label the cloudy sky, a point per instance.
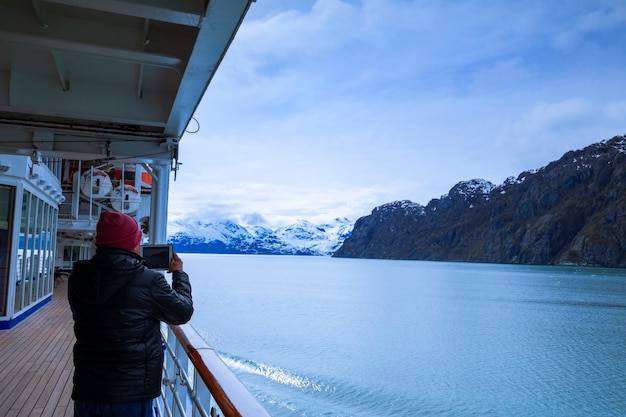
(329, 108)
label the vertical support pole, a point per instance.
(91, 193)
(158, 203)
(123, 189)
(75, 200)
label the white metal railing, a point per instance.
(196, 382)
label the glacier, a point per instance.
(300, 238)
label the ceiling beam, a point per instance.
(181, 12)
(53, 143)
(98, 51)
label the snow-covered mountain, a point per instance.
(301, 238)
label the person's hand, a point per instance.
(176, 264)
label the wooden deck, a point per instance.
(36, 362)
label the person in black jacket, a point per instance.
(117, 304)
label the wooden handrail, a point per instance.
(229, 393)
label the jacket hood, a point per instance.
(95, 281)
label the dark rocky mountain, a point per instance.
(570, 212)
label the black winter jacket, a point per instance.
(117, 304)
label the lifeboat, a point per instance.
(95, 184)
(126, 199)
(132, 175)
(146, 181)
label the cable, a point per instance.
(197, 123)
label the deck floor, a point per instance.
(36, 362)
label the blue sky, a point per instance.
(329, 108)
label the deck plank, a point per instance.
(36, 357)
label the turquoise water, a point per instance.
(318, 336)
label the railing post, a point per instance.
(182, 392)
(204, 397)
(170, 376)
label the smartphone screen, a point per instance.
(157, 256)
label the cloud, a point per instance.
(254, 219)
(546, 130)
(330, 108)
(567, 114)
(607, 18)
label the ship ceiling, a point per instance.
(109, 78)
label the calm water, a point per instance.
(317, 336)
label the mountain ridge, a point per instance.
(227, 237)
(570, 212)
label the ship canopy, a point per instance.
(118, 79)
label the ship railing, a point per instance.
(196, 382)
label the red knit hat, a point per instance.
(117, 230)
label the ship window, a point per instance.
(43, 250)
(51, 233)
(7, 201)
(22, 290)
(35, 268)
(71, 254)
(35, 263)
